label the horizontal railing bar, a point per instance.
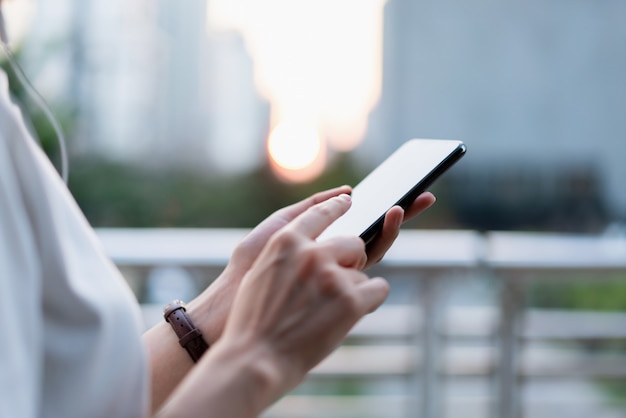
(566, 252)
(377, 406)
(169, 246)
(383, 361)
(404, 321)
(413, 249)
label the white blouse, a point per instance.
(70, 327)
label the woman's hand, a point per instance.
(210, 310)
(300, 297)
(215, 302)
(296, 303)
(394, 218)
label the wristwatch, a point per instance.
(189, 337)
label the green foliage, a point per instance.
(615, 390)
(581, 293)
(118, 195)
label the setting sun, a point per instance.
(293, 146)
(318, 59)
(296, 151)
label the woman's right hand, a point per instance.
(300, 297)
(211, 308)
(295, 305)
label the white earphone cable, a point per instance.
(38, 99)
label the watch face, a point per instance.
(175, 304)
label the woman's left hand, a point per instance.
(394, 218)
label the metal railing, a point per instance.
(421, 330)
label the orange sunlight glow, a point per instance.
(296, 151)
(294, 146)
(314, 60)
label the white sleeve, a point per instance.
(67, 316)
(21, 355)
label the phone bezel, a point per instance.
(370, 233)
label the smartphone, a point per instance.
(398, 180)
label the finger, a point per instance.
(327, 194)
(388, 234)
(291, 211)
(348, 251)
(371, 294)
(283, 216)
(317, 218)
(394, 218)
(419, 205)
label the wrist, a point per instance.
(244, 383)
(210, 309)
(263, 362)
(255, 365)
(189, 335)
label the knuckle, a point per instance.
(310, 262)
(286, 238)
(327, 279)
(311, 254)
(316, 198)
(322, 210)
(350, 302)
(355, 242)
(244, 246)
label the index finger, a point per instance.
(295, 209)
(317, 218)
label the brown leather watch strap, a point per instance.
(189, 337)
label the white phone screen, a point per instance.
(397, 180)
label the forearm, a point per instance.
(169, 362)
(232, 381)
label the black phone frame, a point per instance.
(373, 230)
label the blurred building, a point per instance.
(239, 118)
(537, 90)
(150, 83)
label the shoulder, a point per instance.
(17, 245)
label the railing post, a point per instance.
(507, 377)
(430, 350)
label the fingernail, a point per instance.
(345, 197)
